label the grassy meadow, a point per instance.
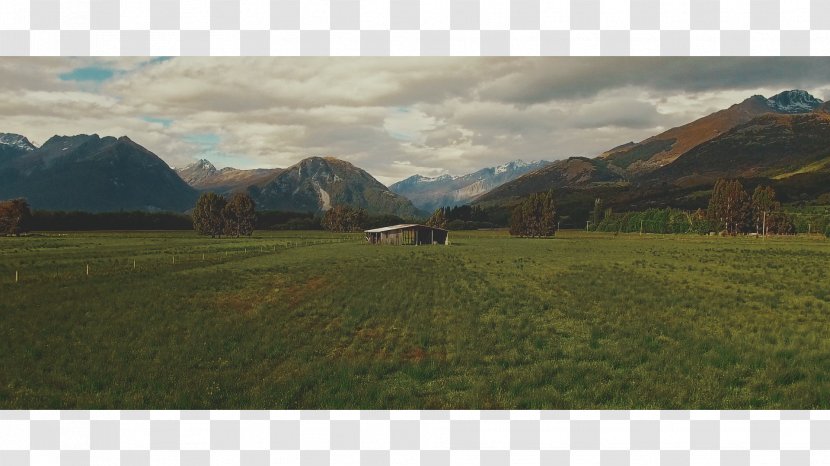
(324, 321)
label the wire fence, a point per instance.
(42, 265)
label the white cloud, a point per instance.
(393, 117)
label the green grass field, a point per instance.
(317, 320)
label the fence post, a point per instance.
(87, 270)
(16, 276)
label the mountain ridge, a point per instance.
(315, 184)
(775, 141)
(429, 193)
(204, 176)
(95, 174)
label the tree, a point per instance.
(779, 223)
(342, 218)
(15, 217)
(763, 206)
(729, 206)
(597, 215)
(239, 215)
(207, 215)
(438, 219)
(535, 216)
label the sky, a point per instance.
(394, 117)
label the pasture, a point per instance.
(314, 320)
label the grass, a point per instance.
(315, 320)
(809, 168)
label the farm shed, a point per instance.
(408, 234)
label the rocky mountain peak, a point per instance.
(794, 101)
(17, 141)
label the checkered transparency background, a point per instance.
(415, 27)
(431, 438)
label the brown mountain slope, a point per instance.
(575, 172)
(203, 176)
(662, 149)
(769, 146)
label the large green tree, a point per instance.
(729, 206)
(15, 217)
(535, 216)
(239, 215)
(207, 215)
(343, 218)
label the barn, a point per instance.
(408, 234)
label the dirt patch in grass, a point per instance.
(239, 303)
(299, 292)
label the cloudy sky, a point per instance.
(394, 117)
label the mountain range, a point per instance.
(783, 141)
(90, 173)
(429, 193)
(100, 174)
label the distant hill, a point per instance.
(204, 176)
(316, 184)
(430, 193)
(94, 174)
(783, 141)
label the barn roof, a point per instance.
(402, 226)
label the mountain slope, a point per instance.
(769, 146)
(430, 193)
(662, 149)
(90, 173)
(204, 176)
(783, 141)
(575, 172)
(316, 184)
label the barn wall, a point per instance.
(410, 236)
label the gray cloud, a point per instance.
(394, 117)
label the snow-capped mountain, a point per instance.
(795, 101)
(429, 193)
(13, 145)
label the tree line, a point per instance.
(463, 217)
(731, 211)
